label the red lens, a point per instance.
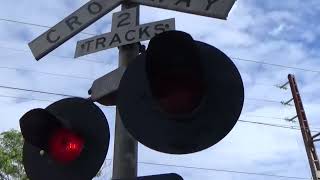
(178, 92)
(65, 146)
(174, 69)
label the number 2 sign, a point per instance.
(125, 30)
(128, 19)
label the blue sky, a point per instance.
(279, 32)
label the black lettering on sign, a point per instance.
(88, 44)
(127, 38)
(115, 39)
(159, 28)
(71, 21)
(123, 22)
(49, 37)
(94, 8)
(144, 31)
(210, 2)
(100, 41)
(185, 1)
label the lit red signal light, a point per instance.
(65, 146)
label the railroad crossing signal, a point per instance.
(67, 140)
(181, 96)
(190, 91)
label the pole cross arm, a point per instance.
(291, 119)
(316, 135)
(287, 102)
(284, 86)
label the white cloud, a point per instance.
(274, 32)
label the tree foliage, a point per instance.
(11, 167)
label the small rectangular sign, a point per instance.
(128, 18)
(210, 8)
(106, 84)
(70, 26)
(123, 36)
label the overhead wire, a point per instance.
(222, 170)
(59, 56)
(43, 100)
(47, 73)
(99, 62)
(272, 64)
(265, 100)
(267, 117)
(198, 168)
(235, 58)
(80, 77)
(88, 78)
(65, 95)
(37, 25)
(219, 170)
(44, 92)
(158, 164)
(263, 84)
(56, 74)
(277, 125)
(36, 91)
(33, 99)
(44, 26)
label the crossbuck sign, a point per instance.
(95, 9)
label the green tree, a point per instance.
(11, 167)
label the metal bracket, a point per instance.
(142, 48)
(284, 86)
(291, 119)
(287, 103)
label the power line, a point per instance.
(218, 170)
(44, 100)
(261, 84)
(268, 117)
(235, 58)
(34, 99)
(44, 92)
(37, 25)
(268, 124)
(272, 64)
(87, 78)
(29, 90)
(59, 56)
(265, 100)
(47, 73)
(244, 121)
(222, 170)
(198, 168)
(275, 125)
(65, 95)
(66, 57)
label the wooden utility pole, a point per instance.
(308, 139)
(125, 146)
